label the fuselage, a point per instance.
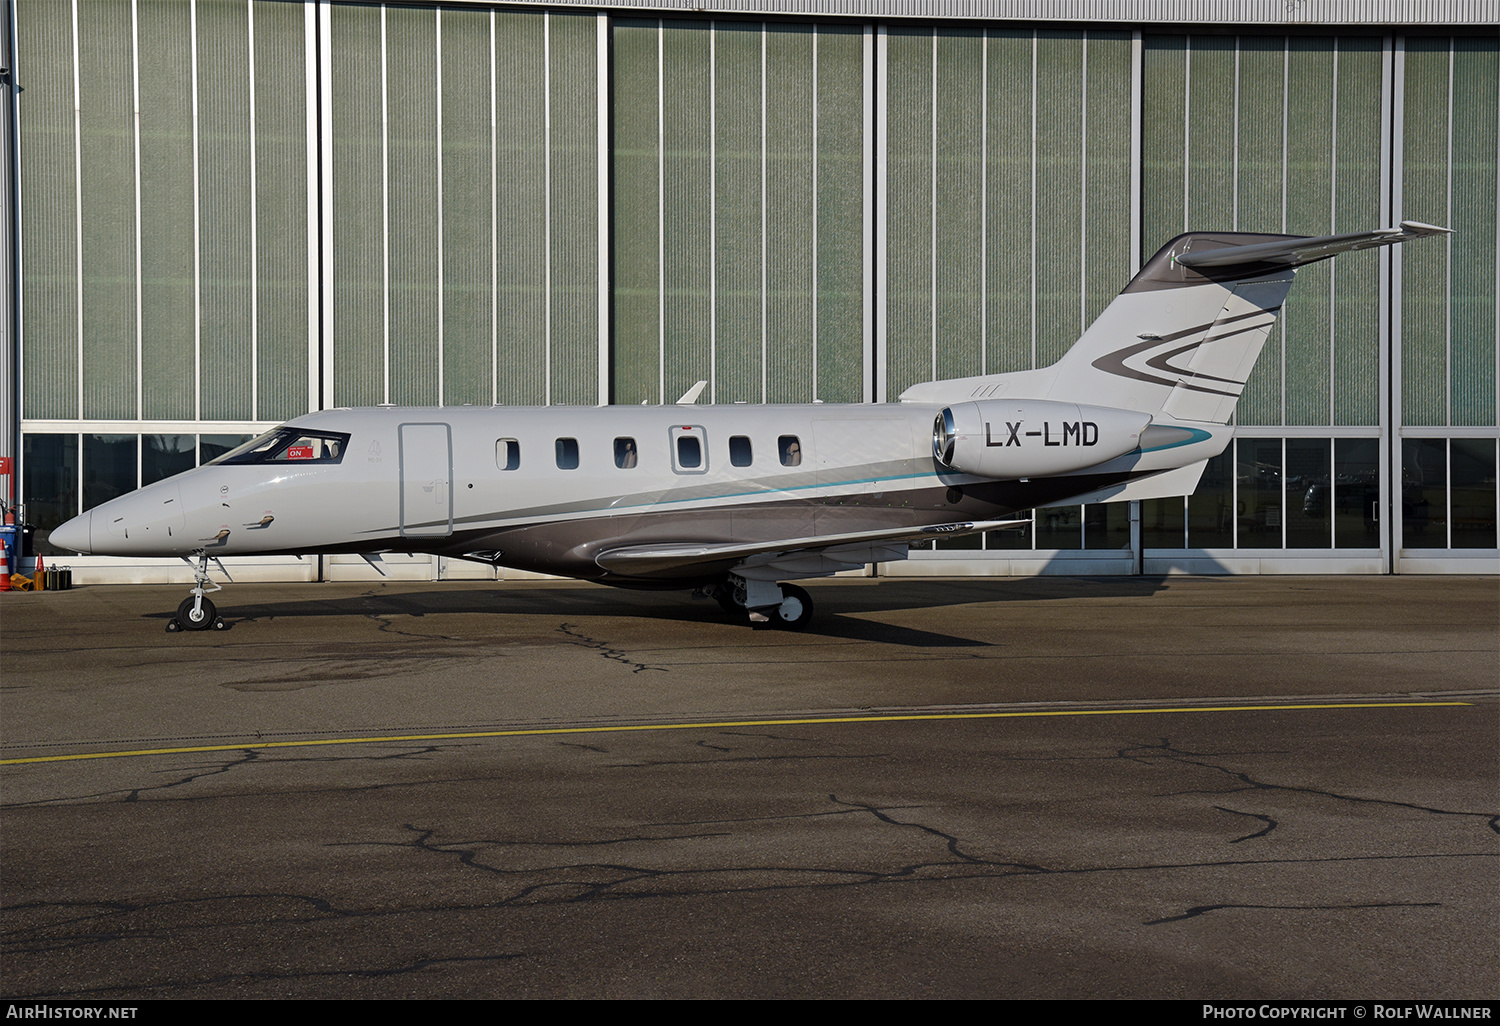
(550, 488)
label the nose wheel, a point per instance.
(197, 612)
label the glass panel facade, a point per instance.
(1472, 466)
(1309, 520)
(1424, 493)
(1356, 493)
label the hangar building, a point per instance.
(226, 213)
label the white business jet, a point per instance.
(738, 499)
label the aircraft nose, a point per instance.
(75, 535)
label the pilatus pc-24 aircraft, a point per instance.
(738, 499)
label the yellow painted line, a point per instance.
(895, 718)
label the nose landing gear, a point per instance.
(197, 613)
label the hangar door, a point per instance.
(426, 481)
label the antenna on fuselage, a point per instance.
(691, 395)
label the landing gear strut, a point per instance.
(768, 603)
(197, 613)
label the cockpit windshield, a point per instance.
(289, 445)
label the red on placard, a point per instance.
(299, 452)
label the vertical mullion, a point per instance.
(385, 217)
(1448, 272)
(814, 269)
(984, 211)
(1187, 127)
(1286, 77)
(1083, 202)
(197, 228)
(319, 199)
(1333, 227)
(1032, 290)
(602, 206)
(933, 255)
(78, 225)
(254, 223)
(135, 112)
(765, 277)
(713, 211)
(1390, 368)
(1137, 86)
(442, 307)
(547, 200)
(495, 229)
(661, 221)
(1234, 165)
(880, 179)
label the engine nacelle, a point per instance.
(1032, 437)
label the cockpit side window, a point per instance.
(289, 445)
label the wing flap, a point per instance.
(664, 559)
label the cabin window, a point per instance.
(689, 449)
(567, 454)
(791, 450)
(625, 453)
(508, 454)
(740, 453)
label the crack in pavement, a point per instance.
(1270, 824)
(616, 654)
(1250, 783)
(1198, 910)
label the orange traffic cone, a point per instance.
(4, 568)
(39, 575)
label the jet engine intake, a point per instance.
(1032, 437)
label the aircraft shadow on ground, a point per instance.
(843, 612)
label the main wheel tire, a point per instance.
(724, 596)
(796, 609)
(200, 619)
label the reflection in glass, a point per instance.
(1259, 478)
(1210, 507)
(740, 452)
(1164, 523)
(1106, 525)
(1424, 493)
(1309, 519)
(1059, 527)
(211, 447)
(49, 484)
(165, 455)
(1356, 493)
(1473, 496)
(1020, 538)
(109, 467)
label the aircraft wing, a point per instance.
(1295, 252)
(787, 553)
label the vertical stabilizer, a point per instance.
(1181, 340)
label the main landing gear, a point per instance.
(768, 603)
(197, 613)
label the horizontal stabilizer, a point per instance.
(1296, 252)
